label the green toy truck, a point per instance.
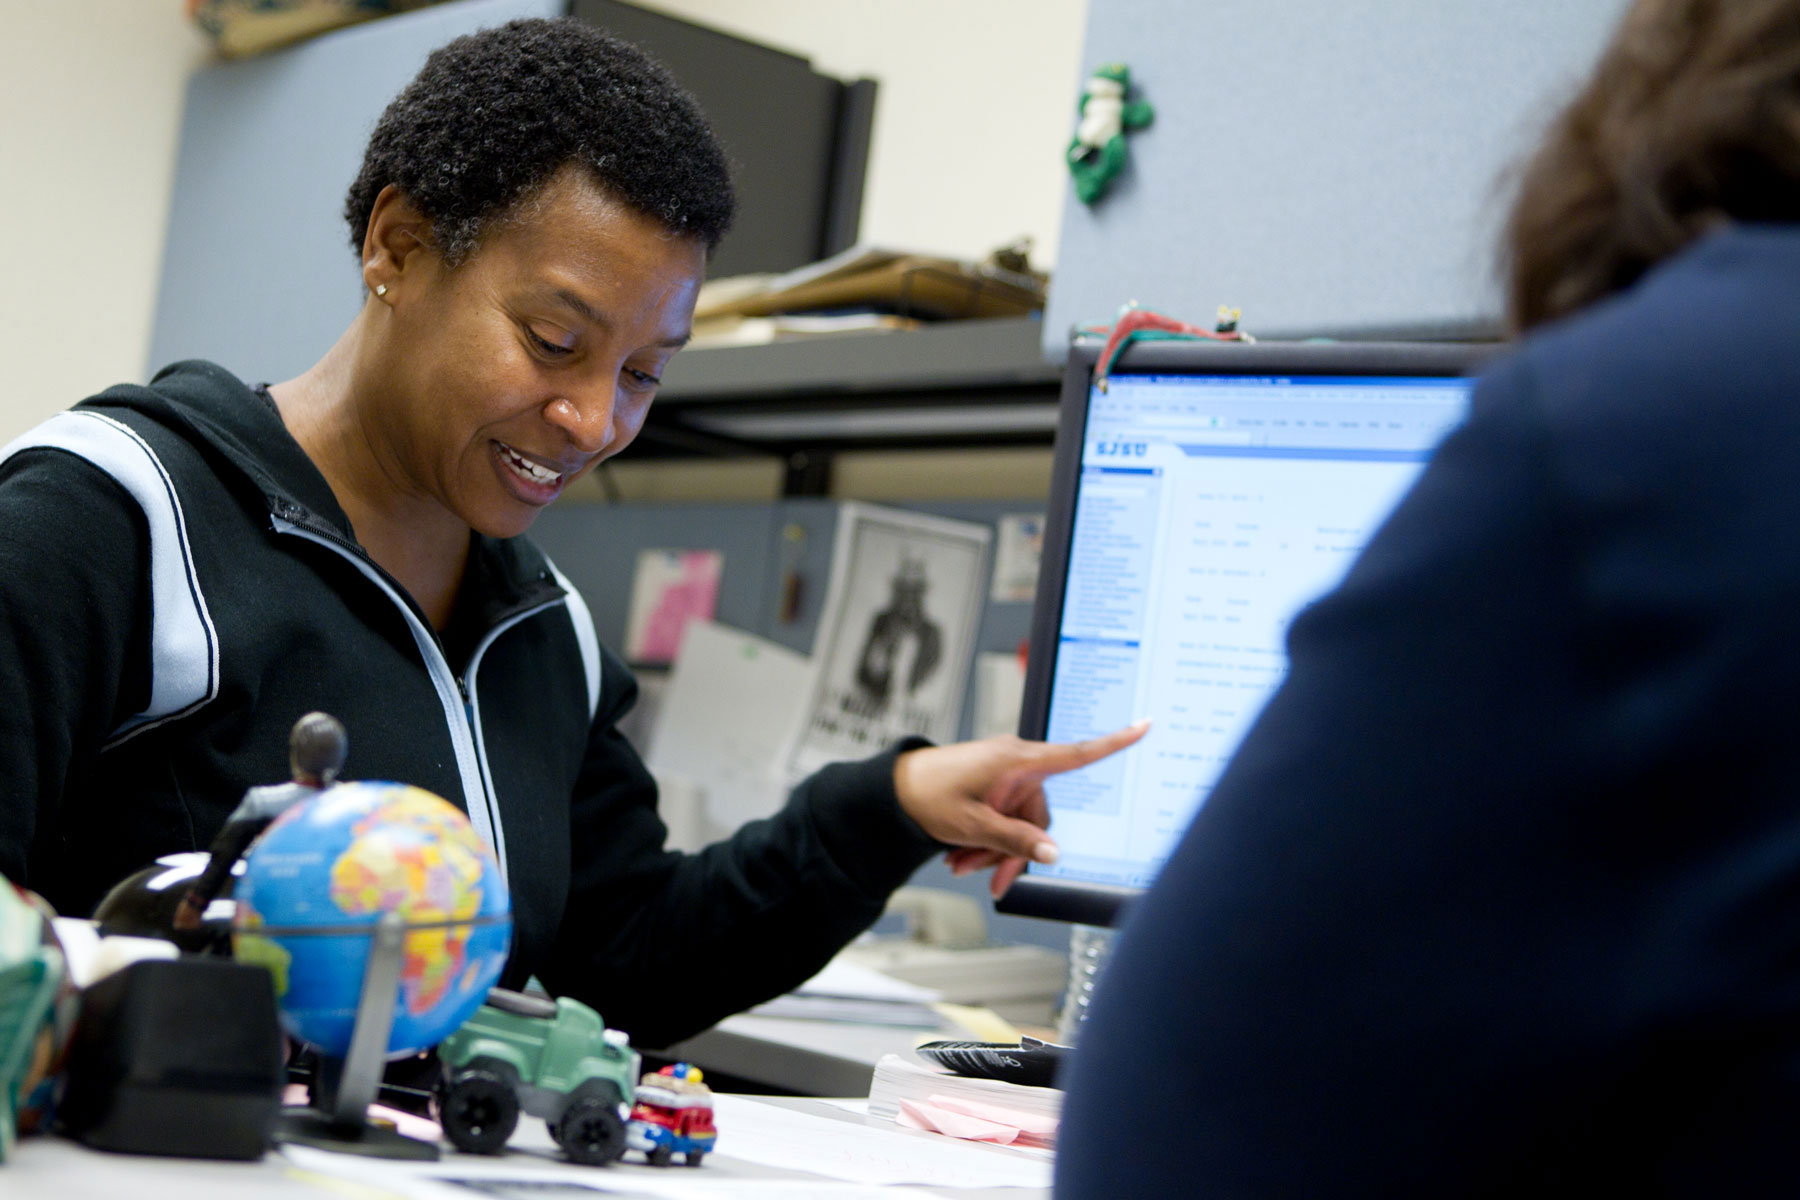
(554, 1059)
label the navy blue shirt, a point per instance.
(1501, 894)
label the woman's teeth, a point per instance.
(527, 468)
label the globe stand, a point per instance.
(343, 1088)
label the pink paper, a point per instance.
(670, 589)
(915, 1115)
(1042, 1124)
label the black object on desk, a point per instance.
(144, 903)
(1029, 1061)
(178, 1057)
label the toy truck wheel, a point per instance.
(590, 1132)
(693, 1157)
(479, 1109)
(660, 1156)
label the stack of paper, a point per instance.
(731, 329)
(872, 278)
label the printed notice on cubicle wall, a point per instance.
(897, 634)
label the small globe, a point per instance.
(321, 876)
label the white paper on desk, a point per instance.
(851, 1104)
(699, 1188)
(527, 1176)
(730, 710)
(797, 1141)
(850, 980)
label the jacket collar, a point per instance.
(242, 437)
(249, 447)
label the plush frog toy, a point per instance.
(1097, 151)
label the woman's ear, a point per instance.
(398, 232)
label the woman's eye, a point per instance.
(642, 379)
(547, 348)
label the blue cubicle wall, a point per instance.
(1329, 168)
(597, 545)
(258, 272)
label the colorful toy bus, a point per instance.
(673, 1115)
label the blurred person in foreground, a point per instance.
(1501, 895)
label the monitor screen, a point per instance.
(1200, 500)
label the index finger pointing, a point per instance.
(1066, 756)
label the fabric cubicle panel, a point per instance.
(597, 546)
(258, 272)
(1329, 168)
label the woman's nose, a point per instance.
(587, 419)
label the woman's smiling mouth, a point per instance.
(540, 482)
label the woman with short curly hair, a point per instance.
(187, 567)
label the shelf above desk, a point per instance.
(1001, 353)
(963, 383)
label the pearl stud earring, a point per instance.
(381, 289)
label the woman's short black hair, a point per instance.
(493, 115)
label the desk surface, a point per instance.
(53, 1167)
(808, 1058)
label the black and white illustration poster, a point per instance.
(897, 634)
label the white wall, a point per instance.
(90, 105)
(976, 102)
(975, 106)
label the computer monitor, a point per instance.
(1198, 501)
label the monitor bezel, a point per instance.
(1087, 903)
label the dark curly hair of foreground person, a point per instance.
(493, 115)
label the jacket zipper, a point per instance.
(472, 713)
(461, 709)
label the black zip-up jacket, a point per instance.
(178, 584)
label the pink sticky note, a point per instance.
(1041, 1124)
(957, 1125)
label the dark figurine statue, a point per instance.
(316, 751)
